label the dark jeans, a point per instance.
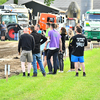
(53, 53)
(71, 63)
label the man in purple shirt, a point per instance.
(55, 44)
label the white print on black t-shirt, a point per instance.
(80, 42)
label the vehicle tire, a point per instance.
(89, 40)
(10, 33)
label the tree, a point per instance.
(15, 1)
(48, 2)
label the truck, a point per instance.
(10, 20)
(22, 13)
(92, 25)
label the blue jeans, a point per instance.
(16, 36)
(38, 58)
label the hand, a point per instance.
(19, 53)
(44, 48)
(60, 50)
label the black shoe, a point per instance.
(49, 73)
(84, 74)
(24, 75)
(44, 74)
(79, 69)
(54, 73)
(34, 75)
(76, 74)
(28, 74)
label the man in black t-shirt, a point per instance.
(78, 42)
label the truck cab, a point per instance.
(92, 25)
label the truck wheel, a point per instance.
(89, 40)
(10, 34)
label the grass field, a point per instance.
(63, 86)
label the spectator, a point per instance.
(39, 39)
(3, 31)
(70, 48)
(16, 29)
(46, 44)
(37, 28)
(55, 41)
(78, 43)
(26, 42)
(63, 34)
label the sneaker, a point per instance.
(49, 73)
(34, 75)
(44, 74)
(69, 71)
(76, 74)
(79, 69)
(84, 74)
(61, 71)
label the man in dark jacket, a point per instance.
(16, 29)
(39, 39)
(27, 43)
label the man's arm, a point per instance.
(33, 43)
(60, 43)
(44, 39)
(19, 45)
(86, 43)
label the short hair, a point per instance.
(32, 27)
(52, 25)
(25, 30)
(38, 25)
(56, 25)
(48, 24)
(78, 29)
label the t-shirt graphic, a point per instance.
(78, 43)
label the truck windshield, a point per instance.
(92, 16)
(9, 19)
(21, 15)
(71, 22)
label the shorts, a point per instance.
(3, 33)
(26, 55)
(77, 58)
(46, 52)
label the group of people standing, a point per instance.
(54, 43)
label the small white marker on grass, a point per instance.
(7, 71)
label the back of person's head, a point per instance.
(26, 30)
(48, 24)
(32, 28)
(70, 33)
(52, 25)
(56, 26)
(63, 30)
(38, 26)
(78, 29)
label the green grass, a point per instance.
(2, 1)
(63, 86)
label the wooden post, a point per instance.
(7, 73)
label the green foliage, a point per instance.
(15, 1)
(2, 1)
(48, 2)
(63, 86)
